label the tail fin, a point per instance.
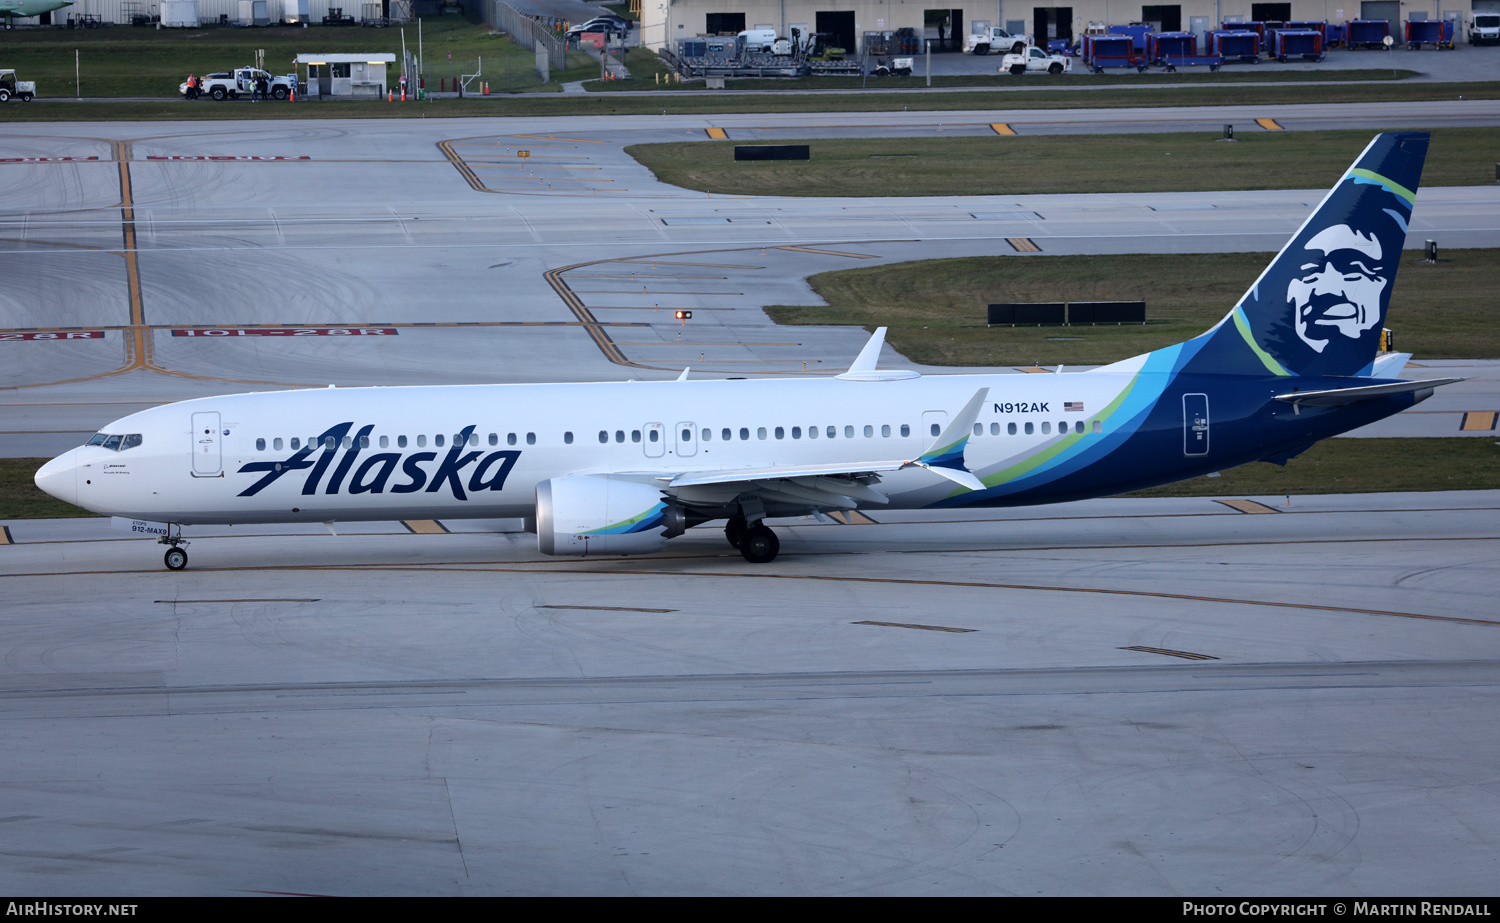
(1319, 307)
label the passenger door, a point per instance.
(207, 455)
(655, 442)
(687, 439)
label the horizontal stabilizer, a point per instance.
(1338, 397)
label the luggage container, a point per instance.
(1177, 44)
(1335, 33)
(1259, 28)
(1138, 31)
(1107, 51)
(1435, 32)
(1307, 45)
(1244, 46)
(1311, 25)
(1367, 33)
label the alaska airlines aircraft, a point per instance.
(619, 468)
(9, 9)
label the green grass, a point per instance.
(936, 308)
(1051, 164)
(21, 499)
(1354, 466)
(134, 62)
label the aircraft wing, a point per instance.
(830, 483)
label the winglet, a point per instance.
(869, 357)
(945, 456)
(683, 376)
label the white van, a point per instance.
(756, 41)
(1484, 29)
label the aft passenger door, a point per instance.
(207, 454)
(1195, 424)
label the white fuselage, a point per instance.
(390, 460)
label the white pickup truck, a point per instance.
(240, 83)
(995, 37)
(1035, 61)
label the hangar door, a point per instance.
(1050, 22)
(1389, 10)
(839, 27)
(1166, 18)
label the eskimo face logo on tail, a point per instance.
(373, 474)
(1339, 290)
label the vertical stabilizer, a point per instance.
(1319, 306)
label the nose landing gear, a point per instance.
(176, 556)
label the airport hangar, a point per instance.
(1114, 697)
(846, 21)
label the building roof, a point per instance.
(370, 58)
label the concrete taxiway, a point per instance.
(1266, 696)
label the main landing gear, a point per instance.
(757, 543)
(176, 556)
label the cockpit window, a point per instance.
(115, 442)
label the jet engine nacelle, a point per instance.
(599, 515)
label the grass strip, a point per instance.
(1356, 466)
(1057, 164)
(936, 308)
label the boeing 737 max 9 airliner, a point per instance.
(619, 468)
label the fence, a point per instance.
(528, 33)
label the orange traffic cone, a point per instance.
(486, 88)
(388, 97)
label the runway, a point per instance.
(1266, 696)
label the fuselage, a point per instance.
(343, 454)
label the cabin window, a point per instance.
(296, 443)
(885, 430)
(275, 443)
(760, 432)
(568, 437)
(330, 443)
(905, 429)
(979, 429)
(348, 442)
(510, 438)
(400, 442)
(364, 442)
(1078, 427)
(708, 434)
(619, 435)
(780, 433)
(832, 432)
(848, 432)
(1030, 429)
(869, 431)
(421, 442)
(653, 435)
(531, 438)
(812, 432)
(1010, 429)
(385, 442)
(935, 429)
(437, 440)
(603, 437)
(744, 433)
(1046, 428)
(1062, 426)
(726, 434)
(635, 435)
(494, 440)
(1098, 426)
(260, 444)
(994, 429)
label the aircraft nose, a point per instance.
(59, 477)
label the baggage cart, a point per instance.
(1244, 46)
(1111, 51)
(1367, 33)
(1211, 61)
(1305, 45)
(1435, 32)
(1177, 44)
